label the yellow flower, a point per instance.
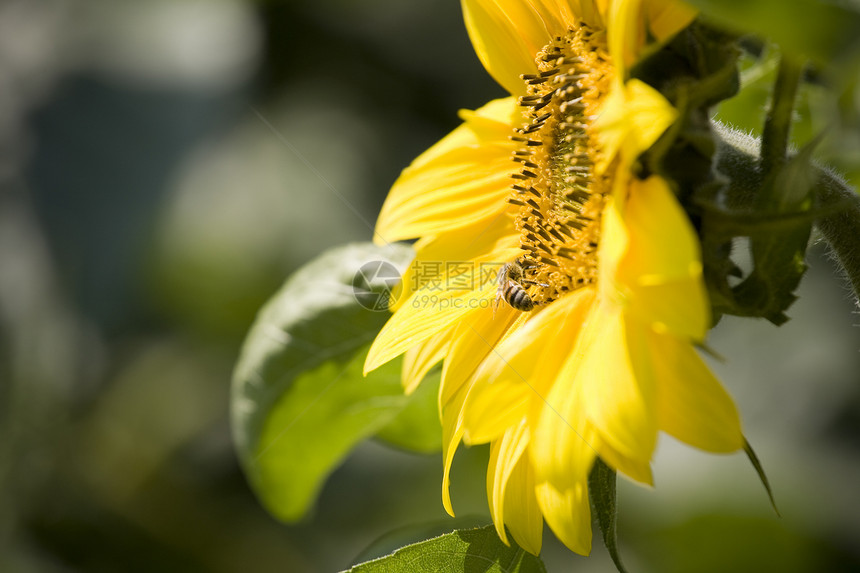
(602, 266)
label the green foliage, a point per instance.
(759, 469)
(779, 253)
(463, 551)
(803, 194)
(417, 426)
(823, 31)
(694, 71)
(780, 223)
(697, 70)
(742, 542)
(601, 491)
(300, 402)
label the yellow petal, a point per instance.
(434, 307)
(506, 35)
(614, 244)
(572, 13)
(677, 307)
(605, 388)
(490, 124)
(663, 244)
(474, 338)
(667, 17)
(418, 360)
(662, 266)
(617, 385)
(522, 512)
(505, 453)
(582, 443)
(632, 118)
(522, 367)
(561, 15)
(568, 513)
(494, 117)
(538, 349)
(452, 433)
(564, 443)
(600, 8)
(692, 405)
(635, 469)
(649, 114)
(434, 254)
(624, 29)
(493, 408)
(649, 258)
(451, 194)
(463, 178)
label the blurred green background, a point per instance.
(166, 164)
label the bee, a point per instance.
(511, 289)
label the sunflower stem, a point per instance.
(836, 210)
(841, 230)
(774, 141)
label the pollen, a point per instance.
(558, 193)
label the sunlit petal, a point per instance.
(522, 512)
(633, 117)
(452, 434)
(691, 404)
(568, 513)
(463, 178)
(617, 382)
(434, 307)
(611, 392)
(521, 369)
(661, 268)
(667, 17)
(506, 35)
(505, 453)
(420, 359)
(625, 30)
(435, 254)
(474, 338)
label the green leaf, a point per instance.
(835, 211)
(694, 71)
(299, 400)
(779, 256)
(464, 551)
(774, 210)
(601, 490)
(417, 427)
(823, 31)
(761, 475)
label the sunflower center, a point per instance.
(559, 195)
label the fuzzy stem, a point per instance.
(839, 204)
(774, 141)
(841, 230)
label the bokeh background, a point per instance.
(164, 166)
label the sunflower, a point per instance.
(562, 292)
